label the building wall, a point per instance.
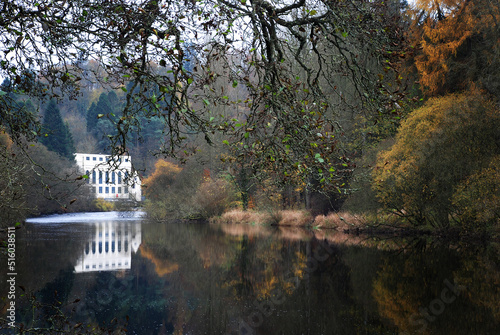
(110, 179)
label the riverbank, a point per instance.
(294, 218)
(347, 223)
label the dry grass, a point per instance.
(239, 216)
(278, 218)
(293, 218)
(339, 221)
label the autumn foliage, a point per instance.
(157, 184)
(438, 148)
(459, 45)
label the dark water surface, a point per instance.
(241, 279)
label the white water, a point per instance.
(88, 217)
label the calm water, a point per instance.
(242, 279)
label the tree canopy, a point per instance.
(302, 64)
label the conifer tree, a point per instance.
(56, 136)
(91, 117)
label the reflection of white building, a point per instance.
(110, 247)
(110, 179)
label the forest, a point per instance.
(384, 109)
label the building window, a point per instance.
(119, 189)
(113, 190)
(126, 159)
(100, 159)
(93, 177)
(113, 178)
(100, 177)
(94, 158)
(107, 189)
(88, 176)
(119, 177)
(107, 177)
(100, 189)
(125, 190)
(88, 158)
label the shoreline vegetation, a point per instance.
(346, 223)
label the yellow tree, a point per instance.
(438, 147)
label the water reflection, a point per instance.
(243, 279)
(110, 247)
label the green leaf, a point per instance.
(247, 134)
(190, 80)
(313, 12)
(344, 34)
(225, 142)
(235, 83)
(124, 89)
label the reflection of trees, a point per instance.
(480, 274)
(196, 300)
(135, 295)
(411, 289)
(57, 253)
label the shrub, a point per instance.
(214, 197)
(437, 147)
(477, 199)
(103, 205)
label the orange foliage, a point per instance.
(5, 140)
(459, 41)
(162, 266)
(157, 183)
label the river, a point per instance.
(116, 271)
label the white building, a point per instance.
(110, 178)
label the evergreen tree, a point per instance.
(102, 107)
(91, 118)
(57, 137)
(113, 101)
